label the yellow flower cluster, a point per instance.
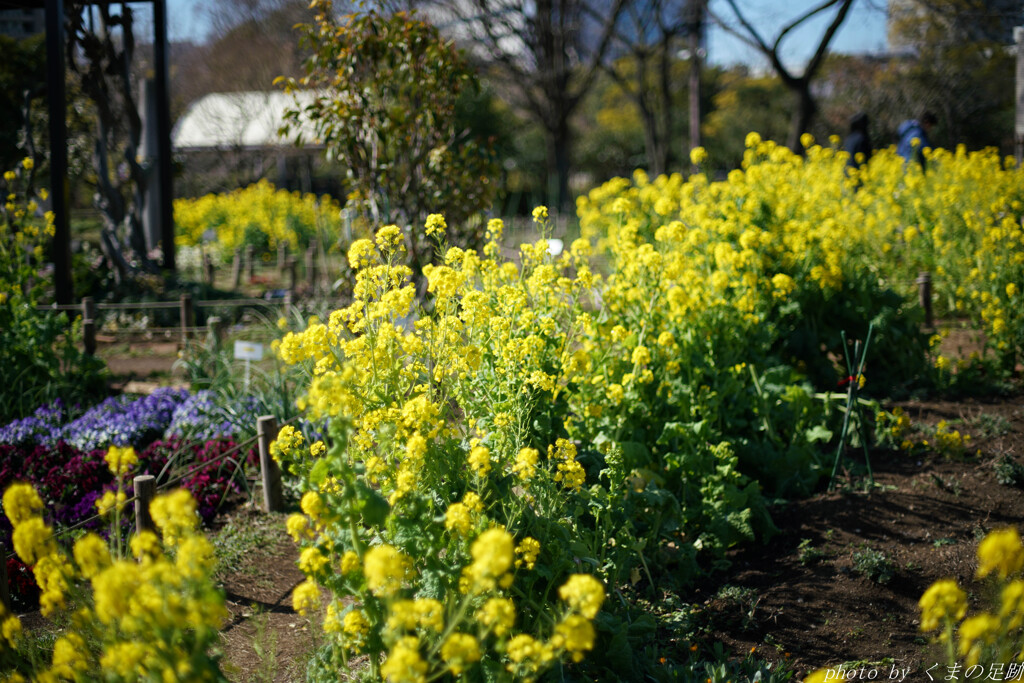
(120, 460)
(259, 208)
(458, 422)
(493, 555)
(152, 617)
(949, 441)
(992, 637)
(385, 569)
(111, 502)
(785, 219)
(1000, 553)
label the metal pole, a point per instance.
(1018, 126)
(696, 29)
(59, 188)
(163, 125)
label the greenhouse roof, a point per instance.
(247, 120)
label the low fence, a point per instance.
(186, 306)
(145, 489)
(215, 325)
(244, 262)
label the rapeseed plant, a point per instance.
(601, 405)
(153, 616)
(990, 637)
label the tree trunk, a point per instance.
(559, 153)
(803, 114)
(653, 140)
(696, 8)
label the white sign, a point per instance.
(248, 350)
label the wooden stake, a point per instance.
(266, 430)
(88, 308)
(215, 333)
(236, 269)
(89, 336)
(5, 590)
(145, 490)
(209, 269)
(282, 255)
(186, 316)
(924, 290)
(250, 262)
(311, 267)
(293, 273)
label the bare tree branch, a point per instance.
(798, 85)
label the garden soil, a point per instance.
(800, 597)
(810, 598)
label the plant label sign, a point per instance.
(248, 350)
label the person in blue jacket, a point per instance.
(914, 137)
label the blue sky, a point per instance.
(862, 32)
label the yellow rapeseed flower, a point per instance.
(1001, 553)
(480, 460)
(583, 593)
(493, 553)
(385, 569)
(175, 514)
(120, 460)
(527, 552)
(404, 663)
(459, 652)
(974, 634)
(526, 463)
(21, 502)
(498, 615)
(436, 225)
(576, 635)
(306, 597)
(91, 554)
(33, 540)
(943, 601)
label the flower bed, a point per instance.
(260, 216)
(122, 420)
(624, 417)
(71, 481)
(175, 432)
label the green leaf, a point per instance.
(818, 433)
(318, 474)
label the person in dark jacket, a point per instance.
(857, 141)
(914, 137)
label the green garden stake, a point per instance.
(853, 385)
